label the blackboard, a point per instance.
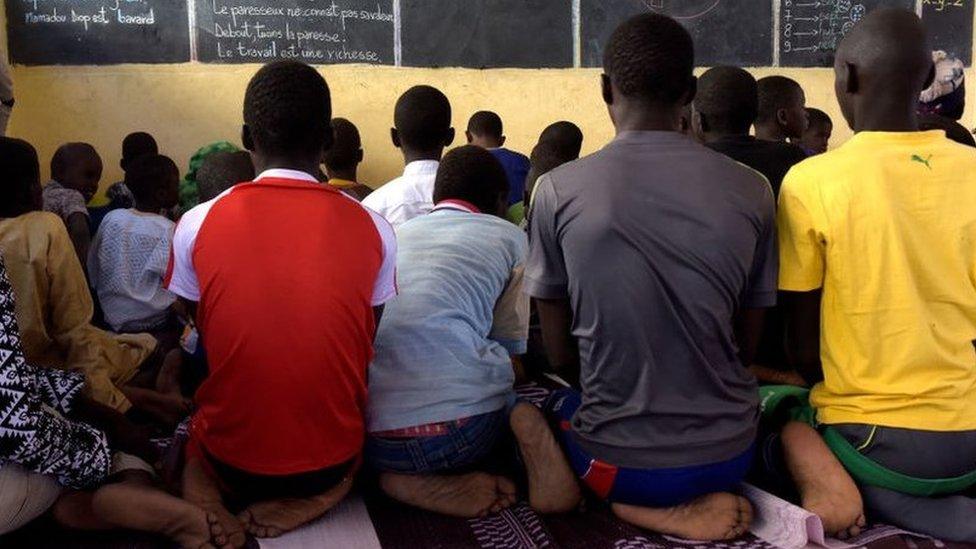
(733, 32)
(315, 31)
(87, 32)
(950, 24)
(487, 33)
(811, 30)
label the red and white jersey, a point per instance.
(286, 272)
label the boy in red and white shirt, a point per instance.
(287, 278)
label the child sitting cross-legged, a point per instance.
(441, 382)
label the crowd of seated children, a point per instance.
(663, 422)
(485, 130)
(816, 138)
(130, 252)
(441, 385)
(76, 169)
(221, 171)
(54, 307)
(342, 160)
(877, 266)
(288, 329)
(422, 129)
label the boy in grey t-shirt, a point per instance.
(651, 262)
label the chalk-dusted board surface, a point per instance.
(735, 32)
(950, 24)
(487, 33)
(88, 32)
(314, 31)
(810, 30)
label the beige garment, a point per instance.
(24, 496)
(54, 309)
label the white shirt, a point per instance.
(408, 196)
(126, 266)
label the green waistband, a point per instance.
(782, 403)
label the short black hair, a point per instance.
(422, 118)
(775, 93)
(345, 149)
(650, 56)
(565, 135)
(138, 144)
(287, 109)
(486, 124)
(221, 171)
(19, 173)
(472, 174)
(546, 156)
(67, 153)
(818, 118)
(954, 130)
(728, 97)
(146, 174)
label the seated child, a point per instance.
(189, 189)
(725, 108)
(876, 257)
(54, 304)
(485, 130)
(546, 156)
(651, 262)
(221, 171)
(135, 145)
(76, 170)
(57, 447)
(287, 317)
(443, 365)
(782, 112)
(816, 138)
(130, 252)
(566, 135)
(342, 160)
(423, 128)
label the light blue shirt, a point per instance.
(444, 345)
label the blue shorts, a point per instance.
(465, 445)
(641, 487)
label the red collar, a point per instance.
(457, 204)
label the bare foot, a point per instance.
(270, 519)
(553, 487)
(168, 382)
(202, 491)
(825, 487)
(468, 496)
(713, 517)
(147, 509)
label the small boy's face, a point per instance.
(817, 138)
(796, 117)
(82, 173)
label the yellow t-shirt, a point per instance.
(886, 226)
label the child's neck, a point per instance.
(308, 165)
(148, 208)
(346, 175)
(770, 132)
(412, 155)
(713, 136)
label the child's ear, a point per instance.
(782, 117)
(395, 137)
(469, 137)
(606, 89)
(848, 78)
(699, 123)
(449, 137)
(502, 142)
(246, 138)
(359, 156)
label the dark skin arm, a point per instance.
(803, 332)
(562, 350)
(122, 434)
(80, 236)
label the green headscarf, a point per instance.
(189, 192)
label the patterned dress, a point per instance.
(33, 402)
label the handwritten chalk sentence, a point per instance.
(124, 12)
(333, 11)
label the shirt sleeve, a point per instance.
(68, 202)
(801, 244)
(385, 288)
(181, 276)
(510, 327)
(761, 291)
(545, 270)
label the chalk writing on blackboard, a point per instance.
(330, 32)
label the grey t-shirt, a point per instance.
(657, 242)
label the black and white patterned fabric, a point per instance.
(33, 430)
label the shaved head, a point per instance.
(883, 64)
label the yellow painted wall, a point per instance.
(189, 105)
